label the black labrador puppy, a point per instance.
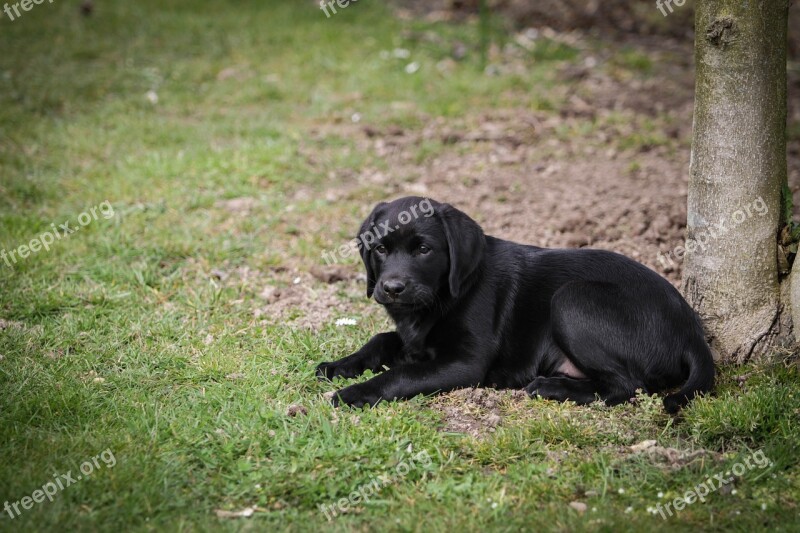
(474, 310)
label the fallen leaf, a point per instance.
(247, 512)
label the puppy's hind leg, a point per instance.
(564, 388)
(580, 391)
(598, 328)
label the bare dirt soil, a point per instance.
(529, 177)
(609, 169)
(476, 412)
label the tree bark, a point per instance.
(737, 170)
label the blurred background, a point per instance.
(549, 121)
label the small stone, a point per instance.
(579, 506)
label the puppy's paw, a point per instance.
(329, 371)
(357, 395)
(325, 370)
(533, 388)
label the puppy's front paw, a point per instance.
(329, 371)
(357, 395)
(325, 370)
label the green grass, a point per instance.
(124, 341)
(634, 60)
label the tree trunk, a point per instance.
(738, 168)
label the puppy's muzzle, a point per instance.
(393, 288)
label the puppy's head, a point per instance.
(417, 251)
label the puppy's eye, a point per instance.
(423, 249)
(381, 249)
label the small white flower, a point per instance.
(629, 510)
(763, 506)
(494, 505)
(356, 118)
(621, 491)
(346, 322)
(297, 280)
(734, 491)
(152, 96)
(411, 68)
(660, 494)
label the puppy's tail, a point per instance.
(701, 376)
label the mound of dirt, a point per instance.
(476, 412)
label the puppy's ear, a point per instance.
(466, 243)
(366, 240)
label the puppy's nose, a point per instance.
(393, 287)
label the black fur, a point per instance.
(474, 310)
